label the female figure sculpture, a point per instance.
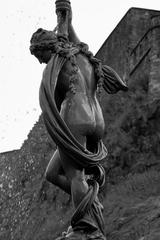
(73, 116)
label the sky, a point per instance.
(21, 73)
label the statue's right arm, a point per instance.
(72, 34)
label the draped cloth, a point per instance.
(89, 212)
(56, 126)
(112, 82)
(88, 215)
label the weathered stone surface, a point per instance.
(131, 46)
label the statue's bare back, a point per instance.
(81, 110)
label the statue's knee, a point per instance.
(79, 183)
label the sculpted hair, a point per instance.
(42, 40)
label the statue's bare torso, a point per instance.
(80, 110)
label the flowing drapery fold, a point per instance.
(56, 126)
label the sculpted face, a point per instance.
(39, 40)
(43, 56)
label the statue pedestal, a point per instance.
(80, 235)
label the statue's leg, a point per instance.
(54, 173)
(79, 187)
(77, 178)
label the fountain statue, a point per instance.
(73, 117)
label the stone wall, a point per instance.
(132, 49)
(154, 84)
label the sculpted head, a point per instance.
(41, 42)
